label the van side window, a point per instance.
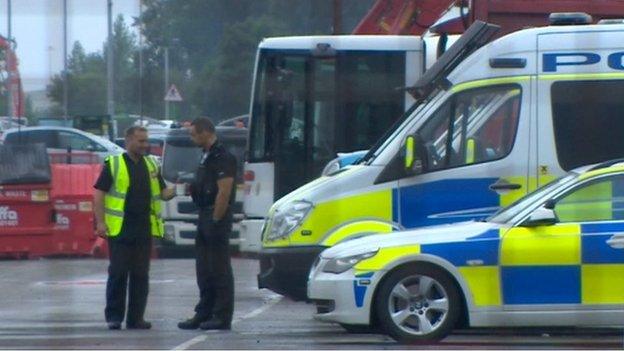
(588, 119)
(477, 125)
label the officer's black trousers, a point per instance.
(214, 270)
(127, 260)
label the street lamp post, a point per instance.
(166, 81)
(65, 88)
(110, 47)
(10, 111)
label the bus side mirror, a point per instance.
(412, 150)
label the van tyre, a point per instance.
(418, 304)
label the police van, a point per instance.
(494, 121)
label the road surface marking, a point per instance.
(270, 302)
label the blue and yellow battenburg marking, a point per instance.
(559, 264)
(360, 284)
(418, 205)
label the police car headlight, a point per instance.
(287, 218)
(342, 264)
(332, 166)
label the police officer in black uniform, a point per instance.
(213, 192)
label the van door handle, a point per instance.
(502, 184)
(616, 241)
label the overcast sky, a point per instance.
(37, 26)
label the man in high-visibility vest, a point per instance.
(128, 196)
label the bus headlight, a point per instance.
(287, 218)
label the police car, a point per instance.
(553, 258)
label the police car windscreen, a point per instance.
(179, 160)
(24, 164)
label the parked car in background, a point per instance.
(241, 121)
(62, 139)
(12, 122)
(156, 142)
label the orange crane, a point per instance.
(416, 17)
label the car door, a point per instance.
(477, 144)
(576, 264)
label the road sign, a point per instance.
(173, 94)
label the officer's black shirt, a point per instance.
(136, 225)
(216, 163)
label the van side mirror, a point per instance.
(543, 216)
(413, 160)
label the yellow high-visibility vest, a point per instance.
(115, 198)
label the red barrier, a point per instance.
(72, 198)
(26, 220)
(74, 157)
(52, 219)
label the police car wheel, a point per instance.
(418, 304)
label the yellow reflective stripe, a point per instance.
(327, 215)
(551, 245)
(112, 212)
(487, 82)
(484, 284)
(581, 76)
(114, 193)
(115, 168)
(356, 228)
(601, 171)
(385, 256)
(602, 284)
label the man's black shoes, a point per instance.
(215, 324)
(114, 325)
(139, 325)
(191, 323)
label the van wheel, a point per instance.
(418, 304)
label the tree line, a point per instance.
(211, 46)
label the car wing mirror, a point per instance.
(542, 216)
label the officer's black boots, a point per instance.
(191, 323)
(139, 325)
(215, 323)
(114, 325)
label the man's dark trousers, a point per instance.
(129, 258)
(213, 268)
